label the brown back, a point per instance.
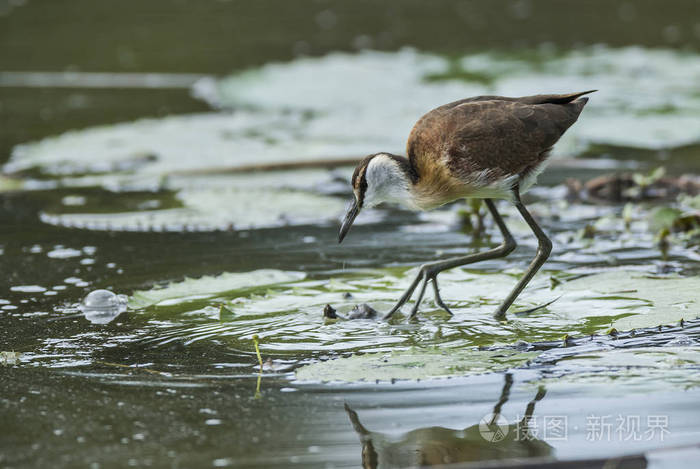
(508, 136)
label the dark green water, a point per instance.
(139, 205)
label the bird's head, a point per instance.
(378, 178)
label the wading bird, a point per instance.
(487, 147)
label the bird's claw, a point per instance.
(438, 298)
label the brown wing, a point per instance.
(536, 99)
(507, 136)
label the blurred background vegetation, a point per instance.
(219, 37)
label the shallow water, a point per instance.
(213, 258)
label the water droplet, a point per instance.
(102, 306)
(101, 299)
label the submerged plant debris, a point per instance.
(363, 311)
(633, 187)
(10, 358)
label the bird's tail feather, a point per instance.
(554, 98)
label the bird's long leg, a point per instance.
(543, 249)
(505, 395)
(428, 272)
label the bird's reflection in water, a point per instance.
(434, 446)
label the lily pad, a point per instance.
(643, 369)
(359, 92)
(332, 110)
(285, 309)
(349, 105)
(218, 204)
(637, 300)
(207, 287)
(622, 299)
(412, 364)
(646, 357)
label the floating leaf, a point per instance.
(289, 315)
(363, 104)
(331, 107)
(647, 369)
(207, 287)
(634, 300)
(10, 358)
(211, 206)
(412, 364)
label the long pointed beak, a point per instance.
(347, 221)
